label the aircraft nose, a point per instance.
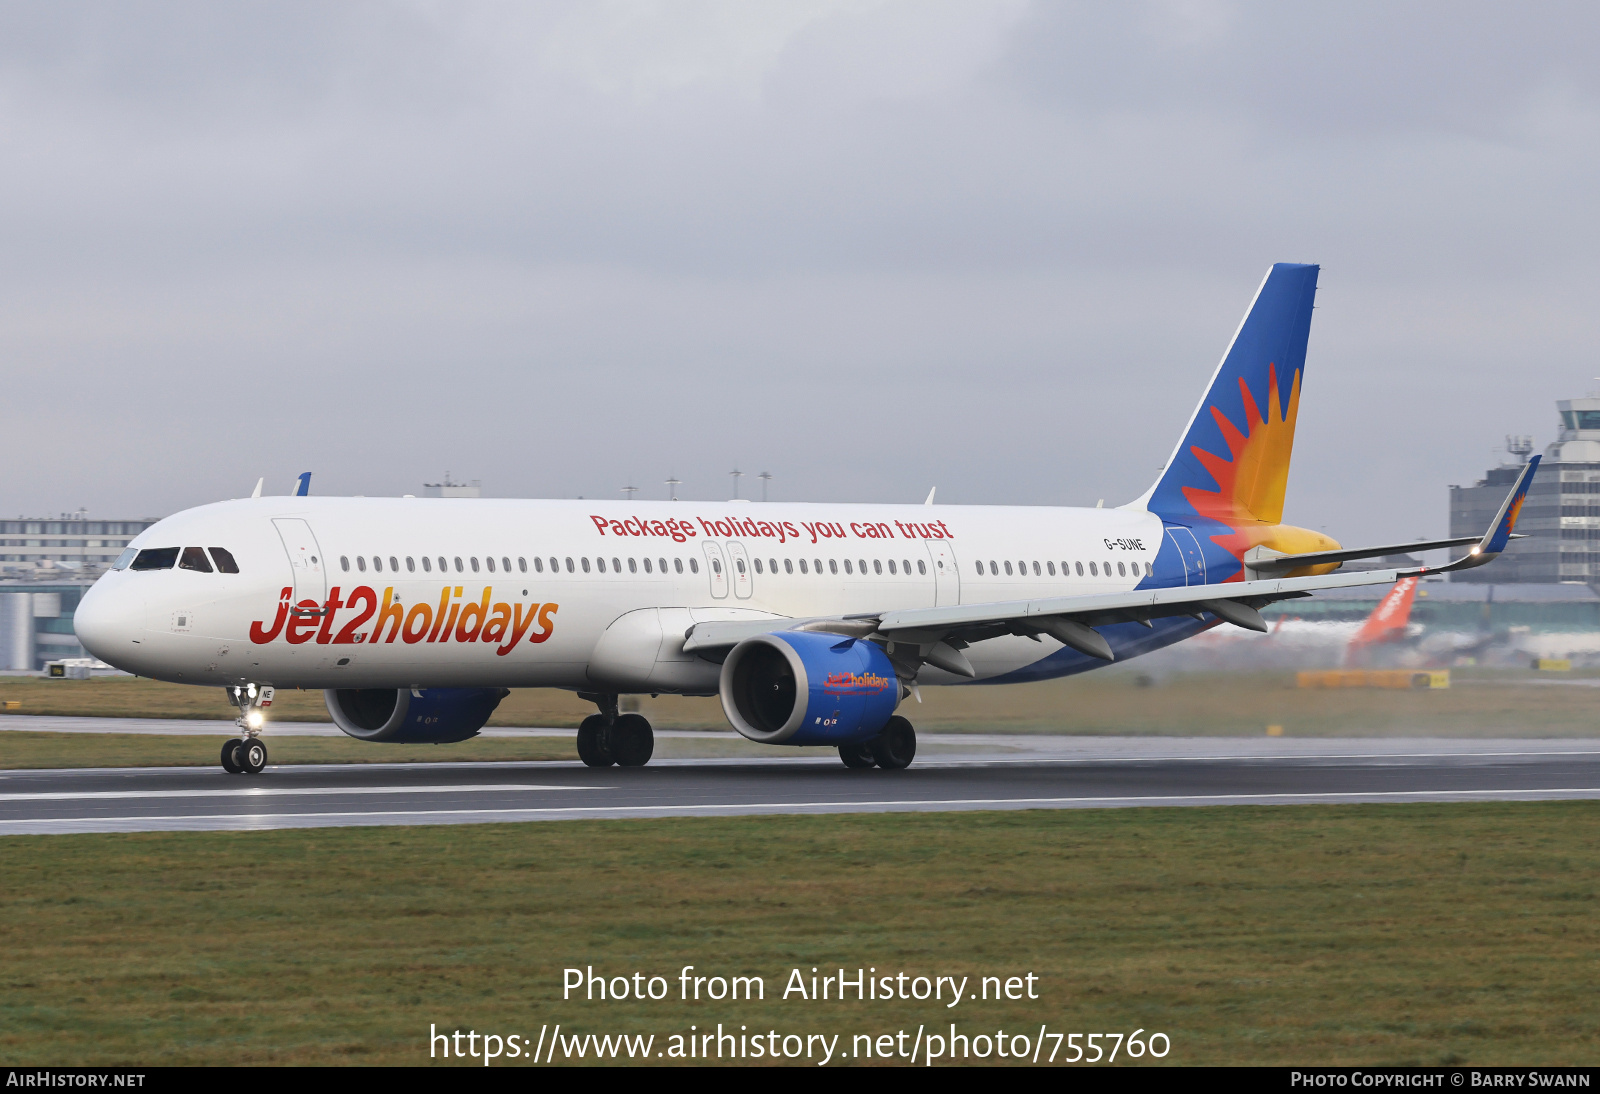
(108, 622)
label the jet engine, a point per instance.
(807, 688)
(412, 715)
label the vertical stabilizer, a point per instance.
(1232, 463)
(1388, 620)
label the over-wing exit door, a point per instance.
(946, 578)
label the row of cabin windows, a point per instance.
(377, 564)
(877, 565)
(184, 558)
(1049, 569)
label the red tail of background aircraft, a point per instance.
(1388, 620)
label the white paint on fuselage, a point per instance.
(195, 627)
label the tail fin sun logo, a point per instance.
(1253, 477)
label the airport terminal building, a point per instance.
(46, 565)
(1561, 515)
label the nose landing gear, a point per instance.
(248, 755)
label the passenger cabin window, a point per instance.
(600, 563)
(427, 566)
(458, 564)
(1008, 567)
(1080, 569)
(361, 563)
(394, 564)
(194, 559)
(489, 562)
(788, 565)
(1035, 569)
(474, 561)
(156, 558)
(443, 565)
(1093, 570)
(538, 564)
(1051, 568)
(411, 565)
(833, 566)
(847, 566)
(663, 563)
(344, 563)
(505, 564)
(555, 566)
(633, 567)
(758, 565)
(377, 564)
(522, 565)
(922, 568)
(585, 562)
(616, 565)
(1122, 570)
(861, 562)
(803, 566)
(694, 567)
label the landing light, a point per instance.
(254, 719)
(252, 690)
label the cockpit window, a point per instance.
(124, 558)
(194, 559)
(156, 558)
(224, 560)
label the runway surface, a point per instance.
(968, 772)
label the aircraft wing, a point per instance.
(1485, 548)
(936, 636)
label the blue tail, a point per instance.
(1232, 464)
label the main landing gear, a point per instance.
(247, 755)
(892, 749)
(610, 738)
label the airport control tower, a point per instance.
(1561, 515)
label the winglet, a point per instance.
(256, 493)
(1495, 539)
(304, 489)
(1505, 521)
(930, 496)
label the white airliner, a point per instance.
(812, 622)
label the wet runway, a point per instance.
(964, 773)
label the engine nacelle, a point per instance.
(421, 716)
(804, 688)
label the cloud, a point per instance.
(870, 247)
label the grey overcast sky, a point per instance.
(868, 246)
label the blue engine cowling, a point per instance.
(413, 716)
(804, 688)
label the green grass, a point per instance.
(1332, 935)
(1482, 703)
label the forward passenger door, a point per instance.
(305, 560)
